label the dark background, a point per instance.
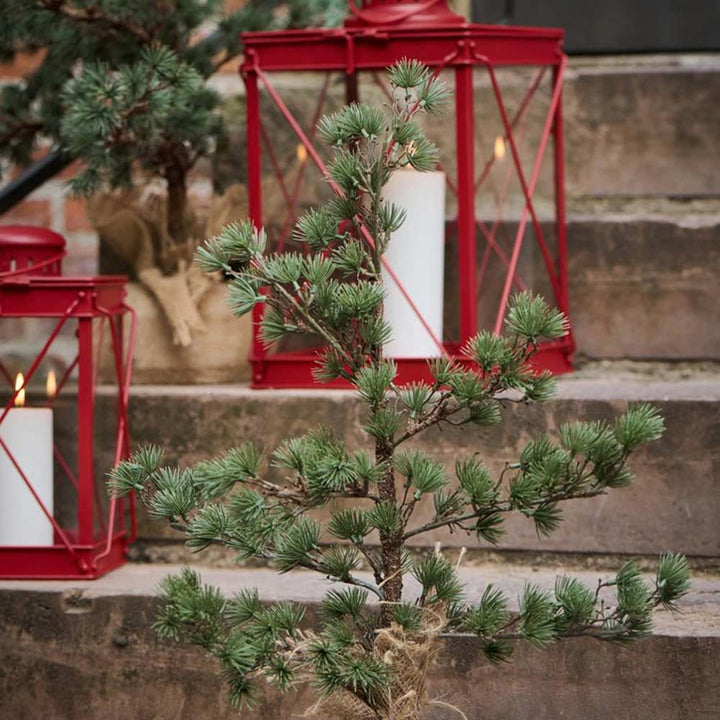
(609, 26)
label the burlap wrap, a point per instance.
(409, 655)
(133, 224)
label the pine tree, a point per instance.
(365, 661)
(123, 83)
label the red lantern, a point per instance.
(92, 539)
(489, 249)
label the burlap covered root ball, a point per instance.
(409, 655)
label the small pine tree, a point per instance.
(368, 661)
(124, 83)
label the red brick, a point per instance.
(39, 152)
(29, 212)
(71, 170)
(21, 65)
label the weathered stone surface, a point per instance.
(643, 282)
(627, 134)
(90, 653)
(645, 288)
(674, 504)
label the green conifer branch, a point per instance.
(336, 292)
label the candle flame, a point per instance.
(499, 147)
(19, 387)
(301, 153)
(51, 385)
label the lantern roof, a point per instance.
(28, 236)
(414, 12)
(384, 32)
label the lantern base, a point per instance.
(54, 562)
(294, 369)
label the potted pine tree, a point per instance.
(369, 655)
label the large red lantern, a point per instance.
(87, 534)
(504, 165)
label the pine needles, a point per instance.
(372, 659)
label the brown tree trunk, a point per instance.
(391, 543)
(169, 259)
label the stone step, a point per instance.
(86, 650)
(642, 278)
(642, 286)
(642, 125)
(673, 505)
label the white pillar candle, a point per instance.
(28, 434)
(417, 257)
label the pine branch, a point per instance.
(272, 557)
(499, 508)
(94, 14)
(18, 129)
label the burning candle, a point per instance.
(417, 257)
(499, 147)
(28, 435)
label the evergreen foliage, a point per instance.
(336, 292)
(123, 84)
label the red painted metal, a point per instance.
(25, 250)
(467, 255)
(392, 12)
(32, 286)
(377, 35)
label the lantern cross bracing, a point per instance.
(375, 38)
(31, 287)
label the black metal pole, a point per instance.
(31, 179)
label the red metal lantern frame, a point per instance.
(375, 38)
(31, 287)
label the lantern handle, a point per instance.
(361, 15)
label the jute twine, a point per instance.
(409, 655)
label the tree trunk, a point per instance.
(169, 258)
(391, 543)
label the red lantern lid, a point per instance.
(30, 250)
(435, 13)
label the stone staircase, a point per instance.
(673, 506)
(86, 650)
(644, 259)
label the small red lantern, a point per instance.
(489, 240)
(33, 541)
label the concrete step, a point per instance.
(86, 650)
(642, 125)
(642, 277)
(673, 506)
